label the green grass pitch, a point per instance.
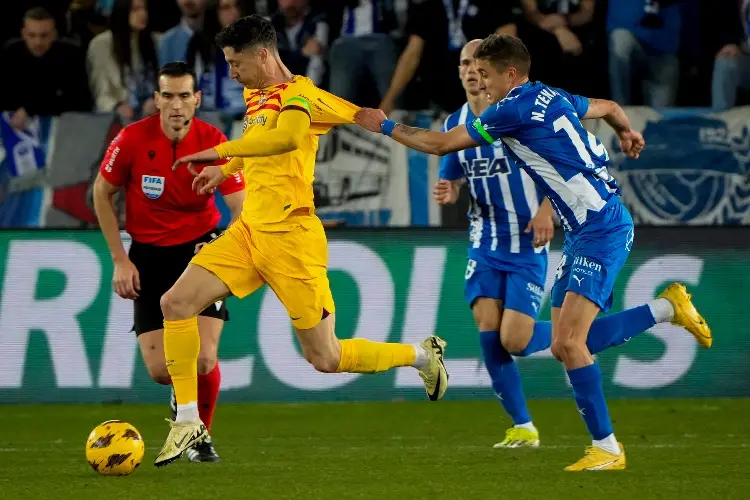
(676, 449)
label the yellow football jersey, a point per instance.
(278, 185)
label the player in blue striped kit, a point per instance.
(541, 128)
(510, 226)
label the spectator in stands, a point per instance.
(41, 74)
(84, 21)
(13, 12)
(562, 41)
(302, 38)
(437, 30)
(174, 44)
(123, 64)
(732, 63)
(644, 40)
(363, 48)
(220, 92)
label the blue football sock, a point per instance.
(506, 380)
(607, 331)
(589, 396)
(540, 340)
(615, 329)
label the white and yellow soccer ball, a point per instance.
(114, 448)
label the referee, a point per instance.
(168, 223)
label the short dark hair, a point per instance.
(38, 14)
(247, 32)
(503, 51)
(176, 70)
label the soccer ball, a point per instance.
(114, 448)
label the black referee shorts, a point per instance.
(159, 267)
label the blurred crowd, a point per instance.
(102, 55)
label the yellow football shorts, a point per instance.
(292, 262)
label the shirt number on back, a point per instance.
(470, 268)
(564, 123)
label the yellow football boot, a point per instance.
(598, 459)
(686, 315)
(434, 374)
(518, 437)
(182, 435)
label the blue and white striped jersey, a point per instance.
(503, 197)
(541, 127)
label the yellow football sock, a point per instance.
(365, 356)
(181, 347)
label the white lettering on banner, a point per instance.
(120, 348)
(465, 372)
(21, 312)
(679, 347)
(237, 373)
(117, 366)
(376, 291)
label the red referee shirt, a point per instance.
(161, 207)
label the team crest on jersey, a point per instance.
(152, 186)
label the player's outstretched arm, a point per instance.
(427, 141)
(290, 130)
(631, 141)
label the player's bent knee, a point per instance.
(516, 332)
(514, 344)
(557, 350)
(174, 306)
(567, 347)
(325, 365)
(322, 362)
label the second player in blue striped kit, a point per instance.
(510, 227)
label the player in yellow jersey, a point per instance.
(278, 240)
